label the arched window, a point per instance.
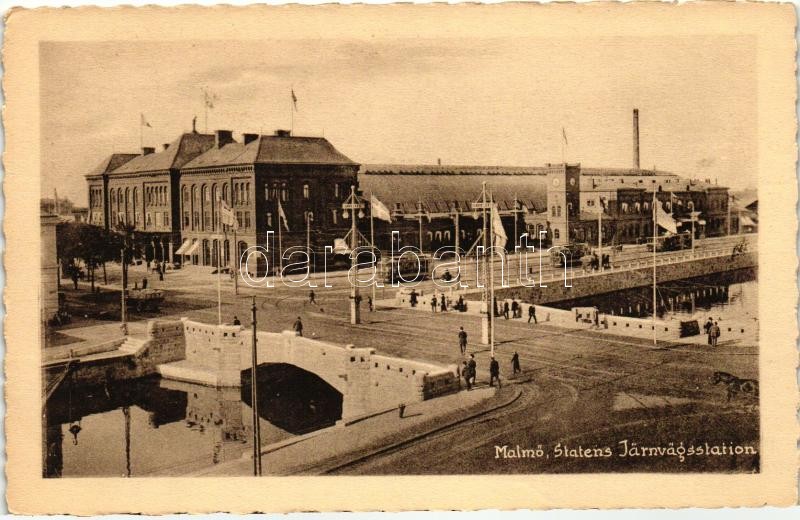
(214, 199)
(247, 193)
(647, 206)
(284, 192)
(225, 195)
(638, 207)
(690, 205)
(624, 207)
(195, 208)
(206, 202)
(668, 206)
(438, 236)
(430, 235)
(447, 235)
(306, 191)
(136, 214)
(266, 192)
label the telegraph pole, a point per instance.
(486, 318)
(254, 399)
(353, 205)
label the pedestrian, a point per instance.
(494, 372)
(298, 327)
(413, 298)
(460, 304)
(443, 304)
(369, 303)
(465, 373)
(514, 308)
(532, 314)
(312, 298)
(715, 334)
(505, 310)
(144, 283)
(74, 276)
(473, 368)
(433, 303)
(160, 271)
(462, 340)
(236, 320)
(515, 363)
(707, 328)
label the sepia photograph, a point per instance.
(337, 255)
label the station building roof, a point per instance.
(111, 163)
(272, 149)
(174, 155)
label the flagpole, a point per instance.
(280, 242)
(655, 237)
(372, 240)
(491, 275)
(420, 225)
(600, 234)
(291, 111)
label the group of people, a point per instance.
(514, 310)
(469, 367)
(592, 263)
(712, 331)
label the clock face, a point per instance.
(556, 182)
(572, 181)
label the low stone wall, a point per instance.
(215, 349)
(615, 280)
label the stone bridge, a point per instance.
(217, 355)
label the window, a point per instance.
(239, 218)
(158, 219)
(247, 219)
(149, 221)
(553, 211)
(334, 216)
(558, 211)
(266, 192)
(336, 190)
(447, 235)
(306, 191)
(247, 193)
(624, 207)
(284, 192)
(225, 192)
(166, 218)
(269, 219)
(557, 233)
(438, 236)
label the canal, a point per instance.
(729, 297)
(153, 426)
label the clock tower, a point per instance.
(563, 200)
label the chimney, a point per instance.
(249, 138)
(147, 150)
(283, 133)
(166, 145)
(636, 138)
(222, 137)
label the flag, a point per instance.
(564, 135)
(294, 100)
(227, 216)
(379, 210)
(340, 247)
(210, 98)
(282, 215)
(499, 231)
(665, 220)
(143, 121)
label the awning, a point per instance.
(184, 246)
(746, 221)
(192, 250)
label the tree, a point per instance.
(90, 244)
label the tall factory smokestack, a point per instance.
(636, 138)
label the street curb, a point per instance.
(398, 444)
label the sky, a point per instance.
(414, 101)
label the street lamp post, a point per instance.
(309, 219)
(353, 205)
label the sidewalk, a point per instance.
(337, 445)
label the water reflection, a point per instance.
(730, 296)
(151, 426)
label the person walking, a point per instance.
(532, 314)
(369, 303)
(443, 304)
(473, 368)
(465, 373)
(462, 340)
(494, 372)
(236, 320)
(514, 308)
(298, 327)
(433, 303)
(74, 276)
(312, 298)
(160, 270)
(715, 334)
(707, 328)
(413, 298)
(505, 310)
(515, 363)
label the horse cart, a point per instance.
(145, 299)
